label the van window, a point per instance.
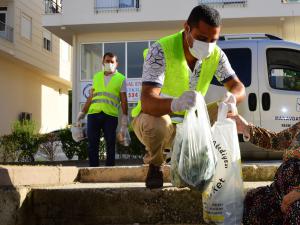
(284, 68)
(241, 61)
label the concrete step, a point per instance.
(256, 171)
(60, 175)
(102, 203)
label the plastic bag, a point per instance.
(223, 198)
(193, 151)
(79, 131)
(123, 137)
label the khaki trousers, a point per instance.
(157, 133)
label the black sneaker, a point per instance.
(154, 177)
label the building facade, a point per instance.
(127, 27)
(35, 68)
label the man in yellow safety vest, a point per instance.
(175, 68)
(109, 89)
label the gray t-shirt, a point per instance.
(154, 69)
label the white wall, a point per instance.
(78, 12)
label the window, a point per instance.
(3, 16)
(91, 59)
(47, 39)
(26, 26)
(130, 58)
(241, 62)
(119, 50)
(284, 68)
(135, 58)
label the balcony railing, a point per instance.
(52, 6)
(6, 32)
(116, 5)
(224, 3)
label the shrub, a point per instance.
(8, 149)
(49, 145)
(26, 138)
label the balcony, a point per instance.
(290, 1)
(52, 6)
(116, 5)
(224, 3)
(6, 32)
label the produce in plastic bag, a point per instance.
(193, 149)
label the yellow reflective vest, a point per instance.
(106, 98)
(177, 70)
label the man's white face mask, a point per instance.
(201, 49)
(109, 67)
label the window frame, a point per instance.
(45, 38)
(5, 23)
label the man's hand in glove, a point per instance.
(185, 102)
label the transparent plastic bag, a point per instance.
(193, 150)
(123, 137)
(224, 196)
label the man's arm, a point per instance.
(237, 88)
(124, 103)
(88, 102)
(152, 103)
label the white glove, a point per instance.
(185, 102)
(80, 116)
(230, 100)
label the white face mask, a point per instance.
(109, 67)
(200, 49)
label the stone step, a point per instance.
(102, 203)
(251, 172)
(60, 175)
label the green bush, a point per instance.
(26, 138)
(49, 145)
(8, 149)
(68, 144)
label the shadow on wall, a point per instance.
(14, 201)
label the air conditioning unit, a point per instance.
(25, 116)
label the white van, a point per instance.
(269, 67)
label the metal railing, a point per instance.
(224, 3)
(116, 5)
(52, 6)
(6, 32)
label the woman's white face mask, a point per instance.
(109, 67)
(201, 49)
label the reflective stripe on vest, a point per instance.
(116, 98)
(107, 102)
(176, 80)
(106, 98)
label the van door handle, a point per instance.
(252, 101)
(266, 101)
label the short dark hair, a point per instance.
(206, 14)
(110, 54)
